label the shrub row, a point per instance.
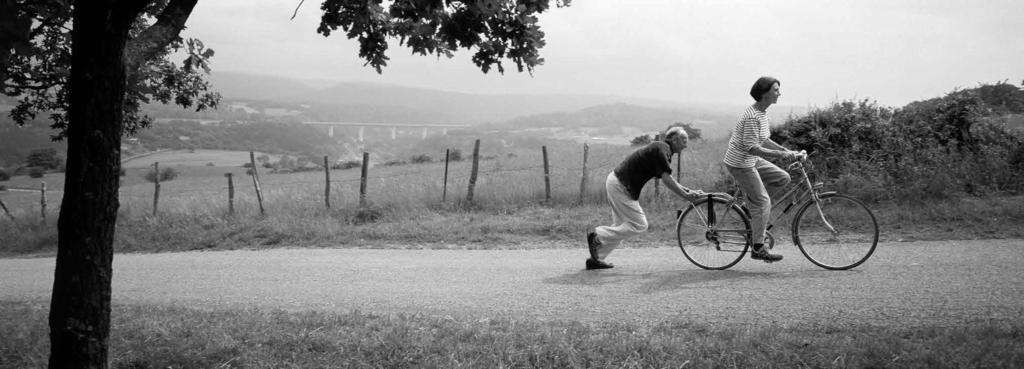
(959, 143)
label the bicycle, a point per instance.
(832, 230)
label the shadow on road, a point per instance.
(649, 282)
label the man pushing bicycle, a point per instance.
(623, 187)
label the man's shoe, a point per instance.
(761, 253)
(593, 244)
(598, 264)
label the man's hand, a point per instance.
(693, 195)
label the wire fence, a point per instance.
(573, 176)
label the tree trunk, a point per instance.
(80, 305)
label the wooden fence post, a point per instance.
(42, 202)
(8, 212)
(327, 183)
(362, 179)
(256, 181)
(472, 175)
(547, 175)
(156, 186)
(583, 180)
(231, 193)
(444, 190)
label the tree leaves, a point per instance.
(38, 76)
(497, 29)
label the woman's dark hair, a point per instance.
(763, 84)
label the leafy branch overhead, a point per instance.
(37, 72)
(495, 29)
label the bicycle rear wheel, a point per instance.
(841, 236)
(718, 242)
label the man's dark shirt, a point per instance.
(643, 164)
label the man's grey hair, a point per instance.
(676, 131)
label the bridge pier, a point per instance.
(393, 127)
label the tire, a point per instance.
(698, 241)
(857, 230)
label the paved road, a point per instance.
(949, 283)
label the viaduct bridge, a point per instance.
(392, 126)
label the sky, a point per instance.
(695, 51)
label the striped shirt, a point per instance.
(752, 130)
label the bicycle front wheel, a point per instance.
(837, 232)
(716, 242)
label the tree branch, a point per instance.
(297, 9)
(154, 39)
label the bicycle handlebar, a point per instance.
(801, 158)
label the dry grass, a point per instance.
(172, 337)
(405, 208)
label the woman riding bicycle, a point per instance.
(749, 146)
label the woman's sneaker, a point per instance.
(759, 252)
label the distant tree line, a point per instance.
(294, 138)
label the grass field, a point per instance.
(192, 158)
(406, 209)
(510, 211)
(175, 337)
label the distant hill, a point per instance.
(239, 86)
(620, 118)
(375, 102)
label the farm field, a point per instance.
(404, 207)
(191, 158)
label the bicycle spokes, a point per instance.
(839, 233)
(712, 234)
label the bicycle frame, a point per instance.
(703, 238)
(798, 194)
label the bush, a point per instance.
(347, 164)
(421, 158)
(45, 158)
(166, 174)
(455, 155)
(36, 172)
(641, 140)
(366, 215)
(926, 150)
(4, 175)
